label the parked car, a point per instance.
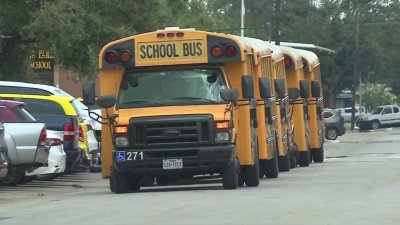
(334, 124)
(3, 154)
(382, 115)
(57, 158)
(346, 112)
(90, 145)
(59, 115)
(25, 139)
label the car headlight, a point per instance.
(121, 142)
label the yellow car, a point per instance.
(59, 114)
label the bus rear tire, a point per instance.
(318, 154)
(271, 169)
(284, 162)
(304, 158)
(293, 155)
(251, 174)
(230, 176)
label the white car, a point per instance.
(346, 112)
(57, 158)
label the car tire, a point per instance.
(95, 162)
(47, 177)
(331, 133)
(375, 125)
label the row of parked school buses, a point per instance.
(182, 102)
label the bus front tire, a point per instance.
(118, 181)
(251, 174)
(230, 176)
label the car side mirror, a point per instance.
(230, 95)
(247, 87)
(106, 101)
(264, 87)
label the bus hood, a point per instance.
(218, 111)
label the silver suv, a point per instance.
(384, 115)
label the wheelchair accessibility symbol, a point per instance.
(120, 156)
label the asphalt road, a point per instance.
(357, 184)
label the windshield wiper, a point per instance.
(195, 98)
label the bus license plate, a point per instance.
(170, 164)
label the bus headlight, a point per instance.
(121, 142)
(222, 136)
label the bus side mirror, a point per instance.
(304, 89)
(315, 89)
(230, 95)
(280, 88)
(106, 101)
(264, 85)
(247, 87)
(89, 94)
(293, 93)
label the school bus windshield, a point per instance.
(161, 87)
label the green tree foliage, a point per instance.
(374, 95)
(74, 31)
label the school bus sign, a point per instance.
(42, 61)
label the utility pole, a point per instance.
(356, 64)
(278, 12)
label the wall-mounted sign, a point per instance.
(42, 61)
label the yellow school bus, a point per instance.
(287, 147)
(312, 73)
(258, 60)
(179, 102)
(295, 80)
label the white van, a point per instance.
(346, 112)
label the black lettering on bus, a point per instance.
(174, 51)
(148, 54)
(185, 49)
(143, 52)
(156, 51)
(170, 49)
(162, 51)
(199, 49)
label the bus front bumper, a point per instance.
(184, 160)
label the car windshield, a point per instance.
(171, 87)
(377, 110)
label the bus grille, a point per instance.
(171, 130)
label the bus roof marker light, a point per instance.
(288, 62)
(180, 34)
(170, 34)
(124, 56)
(111, 57)
(230, 51)
(216, 51)
(160, 35)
